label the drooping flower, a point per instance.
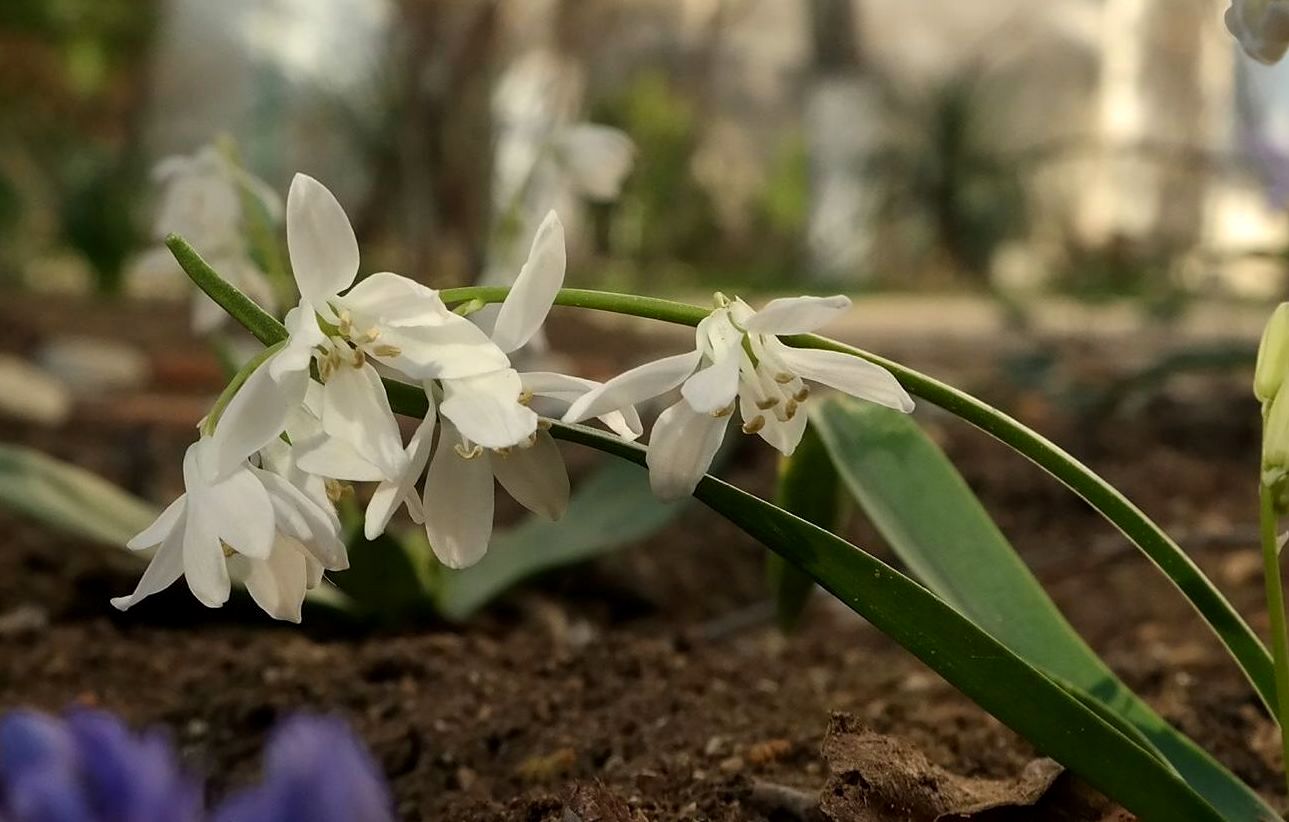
(1261, 26)
(90, 768)
(248, 522)
(738, 360)
(315, 769)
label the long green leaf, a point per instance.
(809, 488)
(1018, 694)
(984, 669)
(69, 498)
(934, 523)
(611, 508)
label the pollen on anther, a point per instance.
(723, 412)
(467, 453)
(754, 425)
(387, 351)
(525, 397)
(783, 378)
(802, 395)
(767, 404)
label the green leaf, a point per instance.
(1018, 694)
(611, 508)
(808, 487)
(935, 524)
(390, 579)
(69, 498)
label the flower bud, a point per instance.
(1275, 441)
(1273, 355)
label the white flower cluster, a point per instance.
(262, 481)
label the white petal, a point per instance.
(535, 477)
(797, 315)
(321, 242)
(356, 410)
(303, 334)
(713, 388)
(567, 389)
(850, 375)
(391, 493)
(458, 503)
(326, 456)
(451, 349)
(278, 584)
(160, 528)
(297, 516)
(240, 512)
(256, 414)
(533, 293)
(166, 566)
(597, 158)
(635, 386)
(784, 437)
(203, 559)
(682, 445)
(486, 409)
(386, 298)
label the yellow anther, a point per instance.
(753, 425)
(345, 323)
(544, 424)
(801, 395)
(358, 359)
(387, 351)
(502, 452)
(767, 404)
(783, 378)
(525, 397)
(337, 490)
(790, 410)
(530, 442)
(723, 412)
(228, 549)
(467, 453)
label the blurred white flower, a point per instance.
(738, 358)
(202, 200)
(1261, 26)
(597, 159)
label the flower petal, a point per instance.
(204, 564)
(300, 518)
(303, 334)
(458, 501)
(321, 242)
(637, 385)
(255, 416)
(567, 389)
(713, 388)
(533, 293)
(356, 410)
(797, 315)
(783, 436)
(391, 493)
(161, 527)
(166, 566)
(450, 348)
(848, 374)
(277, 584)
(486, 409)
(535, 477)
(240, 512)
(682, 445)
(326, 456)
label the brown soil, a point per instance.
(651, 684)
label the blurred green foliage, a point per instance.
(72, 88)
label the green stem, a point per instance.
(1276, 611)
(1243, 644)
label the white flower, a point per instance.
(385, 318)
(250, 521)
(457, 503)
(1261, 26)
(596, 158)
(738, 357)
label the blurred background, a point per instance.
(1093, 148)
(998, 180)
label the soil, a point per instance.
(652, 684)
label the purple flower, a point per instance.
(315, 769)
(89, 768)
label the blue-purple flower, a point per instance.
(88, 767)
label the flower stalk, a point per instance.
(1276, 610)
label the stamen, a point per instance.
(801, 395)
(790, 410)
(346, 324)
(502, 452)
(723, 412)
(530, 442)
(228, 549)
(387, 351)
(525, 397)
(337, 490)
(467, 453)
(783, 378)
(754, 425)
(359, 358)
(767, 403)
(544, 424)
